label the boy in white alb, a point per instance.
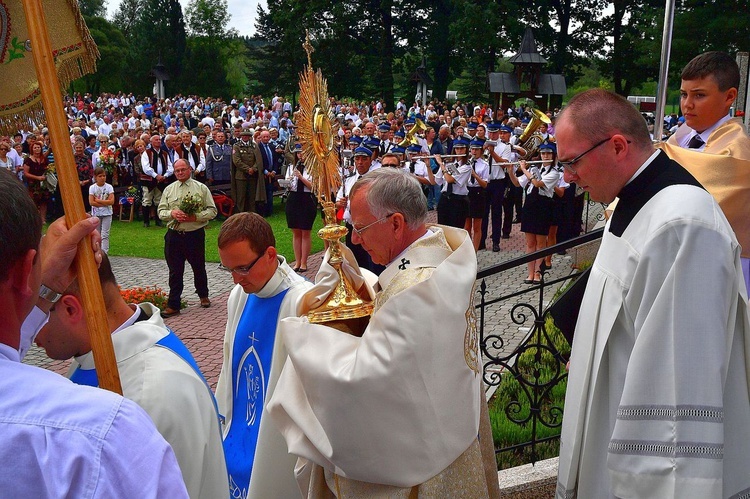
(101, 199)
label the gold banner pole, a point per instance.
(88, 277)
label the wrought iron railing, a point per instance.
(530, 406)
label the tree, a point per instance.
(127, 16)
(158, 34)
(93, 8)
(235, 55)
(208, 18)
(113, 50)
(635, 27)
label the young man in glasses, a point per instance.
(266, 291)
(657, 399)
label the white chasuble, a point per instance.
(396, 410)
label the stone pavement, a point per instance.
(202, 330)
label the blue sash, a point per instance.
(171, 342)
(251, 367)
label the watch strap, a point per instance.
(49, 294)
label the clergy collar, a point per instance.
(138, 315)
(276, 283)
(657, 173)
(643, 166)
(426, 234)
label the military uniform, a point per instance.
(245, 188)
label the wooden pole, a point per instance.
(88, 277)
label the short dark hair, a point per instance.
(249, 227)
(106, 278)
(99, 170)
(719, 65)
(20, 223)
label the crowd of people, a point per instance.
(246, 147)
(395, 408)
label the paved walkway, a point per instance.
(203, 329)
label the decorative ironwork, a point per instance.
(537, 364)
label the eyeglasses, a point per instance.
(360, 231)
(568, 165)
(242, 270)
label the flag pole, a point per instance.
(86, 268)
(666, 50)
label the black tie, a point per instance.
(696, 142)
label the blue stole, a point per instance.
(171, 342)
(251, 367)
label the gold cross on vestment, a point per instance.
(308, 48)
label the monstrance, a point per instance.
(344, 308)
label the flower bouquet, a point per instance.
(189, 205)
(40, 191)
(50, 178)
(108, 160)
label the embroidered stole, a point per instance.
(171, 342)
(251, 368)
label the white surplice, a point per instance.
(273, 467)
(177, 399)
(657, 399)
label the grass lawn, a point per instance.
(133, 239)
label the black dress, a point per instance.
(536, 216)
(301, 205)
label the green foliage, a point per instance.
(93, 7)
(207, 18)
(369, 49)
(158, 33)
(113, 49)
(127, 16)
(511, 401)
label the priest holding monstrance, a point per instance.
(393, 408)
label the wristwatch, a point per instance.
(47, 294)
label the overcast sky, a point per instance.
(243, 13)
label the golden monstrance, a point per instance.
(344, 309)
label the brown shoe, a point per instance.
(169, 312)
(205, 302)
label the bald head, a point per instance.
(598, 113)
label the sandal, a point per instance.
(301, 270)
(528, 281)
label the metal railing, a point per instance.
(530, 405)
